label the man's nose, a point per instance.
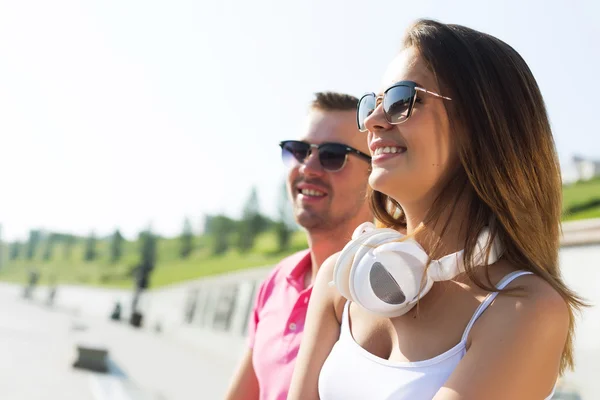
(311, 164)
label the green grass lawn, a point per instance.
(581, 201)
(170, 268)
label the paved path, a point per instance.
(37, 350)
(35, 354)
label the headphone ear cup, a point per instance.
(363, 228)
(410, 248)
(341, 270)
(387, 281)
(354, 251)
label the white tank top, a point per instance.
(350, 372)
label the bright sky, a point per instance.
(121, 113)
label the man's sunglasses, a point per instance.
(332, 156)
(398, 103)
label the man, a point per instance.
(327, 182)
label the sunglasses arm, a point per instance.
(432, 93)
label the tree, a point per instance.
(284, 225)
(68, 243)
(148, 242)
(186, 239)
(50, 241)
(32, 244)
(219, 227)
(148, 249)
(90, 253)
(116, 247)
(252, 222)
(15, 250)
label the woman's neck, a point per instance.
(446, 227)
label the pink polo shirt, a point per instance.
(276, 325)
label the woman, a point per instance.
(461, 145)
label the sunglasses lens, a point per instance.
(397, 103)
(332, 156)
(294, 152)
(366, 106)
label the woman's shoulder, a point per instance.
(531, 306)
(531, 292)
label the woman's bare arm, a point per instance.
(322, 330)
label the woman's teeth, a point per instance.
(389, 149)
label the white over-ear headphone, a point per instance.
(387, 277)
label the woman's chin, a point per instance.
(384, 181)
(401, 186)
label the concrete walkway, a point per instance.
(38, 348)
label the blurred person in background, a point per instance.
(471, 305)
(327, 184)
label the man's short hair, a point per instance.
(333, 101)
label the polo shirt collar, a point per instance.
(296, 275)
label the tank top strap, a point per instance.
(490, 298)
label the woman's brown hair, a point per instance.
(510, 172)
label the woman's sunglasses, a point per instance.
(332, 156)
(398, 103)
